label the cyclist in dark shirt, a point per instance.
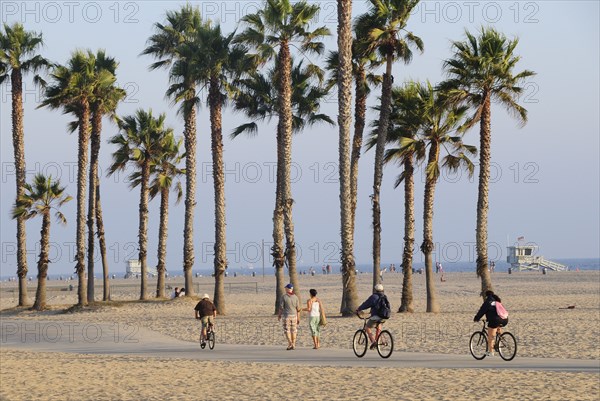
(205, 311)
(374, 320)
(495, 322)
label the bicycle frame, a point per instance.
(377, 328)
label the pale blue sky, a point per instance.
(547, 173)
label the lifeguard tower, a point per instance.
(134, 267)
(522, 257)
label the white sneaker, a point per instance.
(489, 354)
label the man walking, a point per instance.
(289, 309)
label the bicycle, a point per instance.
(505, 344)
(384, 341)
(210, 337)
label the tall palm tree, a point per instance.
(174, 45)
(220, 59)
(440, 123)
(282, 25)
(360, 59)
(386, 23)
(349, 300)
(482, 70)
(18, 56)
(38, 200)
(164, 170)
(141, 141)
(257, 96)
(106, 97)
(72, 89)
(405, 121)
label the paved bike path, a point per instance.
(119, 339)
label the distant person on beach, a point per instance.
(182, 292)
(176, 292)
(289, 309)
(495, 323)
(374, 319)
(205, 311)
(315, 310)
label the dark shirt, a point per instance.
(488, 308)
(205, 308)
(371, 302)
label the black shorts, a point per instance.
(495, 323)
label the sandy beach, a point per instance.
(538, 317)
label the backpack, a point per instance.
(383, 308)
(501, 311)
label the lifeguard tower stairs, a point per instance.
(522, 257)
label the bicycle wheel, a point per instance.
(478, 345)
(507, 346)
(385, 344)
(202, 343)
(211, 340)
(359, 343)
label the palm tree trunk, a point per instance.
(347, 201)
(96, 129)
(143, 231)
(162, 241)
(16, 80)
(40, 295)
(82, 163)
(406, 303)
(277, 250)
(428, 245)
(285, 121)
(384, 117)
(220, 262)
(102, 243)
(485, 142)
(360, 111)
(190, 197)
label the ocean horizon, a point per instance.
(363, 268)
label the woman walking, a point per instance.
(316, 317)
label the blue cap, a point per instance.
(290, 286)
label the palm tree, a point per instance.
(481, 70)
(219, 60)
(257, 97)
(73, 89)
(105, 100)
(440, 123)
(359, 61)
(141, 141)
(386, 23)
(174, 45)
(405, 121)
(282, 25)
(39, 199)
(165, 169)
(18, 56)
